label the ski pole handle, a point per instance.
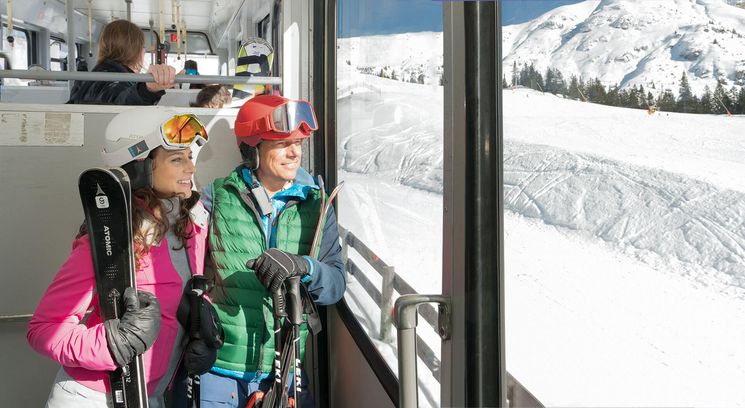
(294, 300)
(278, 302)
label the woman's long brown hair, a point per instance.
(148, 206)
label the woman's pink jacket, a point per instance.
(56, 330)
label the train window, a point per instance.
(57, 54)
(196, 43)
(151, 40)
(19, 51)
(390, 132)
(623, 201)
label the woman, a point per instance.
(121, 48)
(169, 234)
(190, 68)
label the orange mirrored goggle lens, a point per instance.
(182, 130)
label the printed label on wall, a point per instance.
(41, 129)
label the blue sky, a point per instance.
(371, 17)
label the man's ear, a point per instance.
(250, 156)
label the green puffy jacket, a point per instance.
(244, 306)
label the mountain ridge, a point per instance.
(630, 43)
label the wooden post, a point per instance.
(344, 252)
(386, 303)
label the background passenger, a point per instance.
(121, 48)
(190, 68)
(212, 96)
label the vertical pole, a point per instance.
(43, 49)
(129, 9)
(386, 303)
(406, 322)
(71, 50)
(484, 311)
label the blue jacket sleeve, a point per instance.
(327, 282)
(205, 197)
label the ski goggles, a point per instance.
(289, 117)
(181, 131)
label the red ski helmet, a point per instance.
(272, 117)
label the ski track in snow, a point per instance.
(634, 207)
(624, 240)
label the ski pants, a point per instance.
(217, 391)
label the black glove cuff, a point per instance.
(112, 330)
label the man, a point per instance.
(265, 213)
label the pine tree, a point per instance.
(504, 82)
(596, 91)
(550, 80)
(705, 103)
(555, 81)
(722, 101)
(685, 96)
(740, 102)
(640, 101)
(666, 102)
(612, 96)
(515, 74)
(573, 91)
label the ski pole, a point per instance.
(198, 289)
(295, 316)
(278, 304)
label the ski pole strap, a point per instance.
(311, 310)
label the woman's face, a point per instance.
(172, 172)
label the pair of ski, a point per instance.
(107, 203)
(289, 305)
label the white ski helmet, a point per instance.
(134, 133)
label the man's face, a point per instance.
(279, 160)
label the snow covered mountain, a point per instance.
(407, 57)
(632, 42)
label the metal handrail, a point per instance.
(131, 77)
(405, 317)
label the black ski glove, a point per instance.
(274, 266)
(136, 330)
(199, 357)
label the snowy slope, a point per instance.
(624, 238)
(630, 42)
